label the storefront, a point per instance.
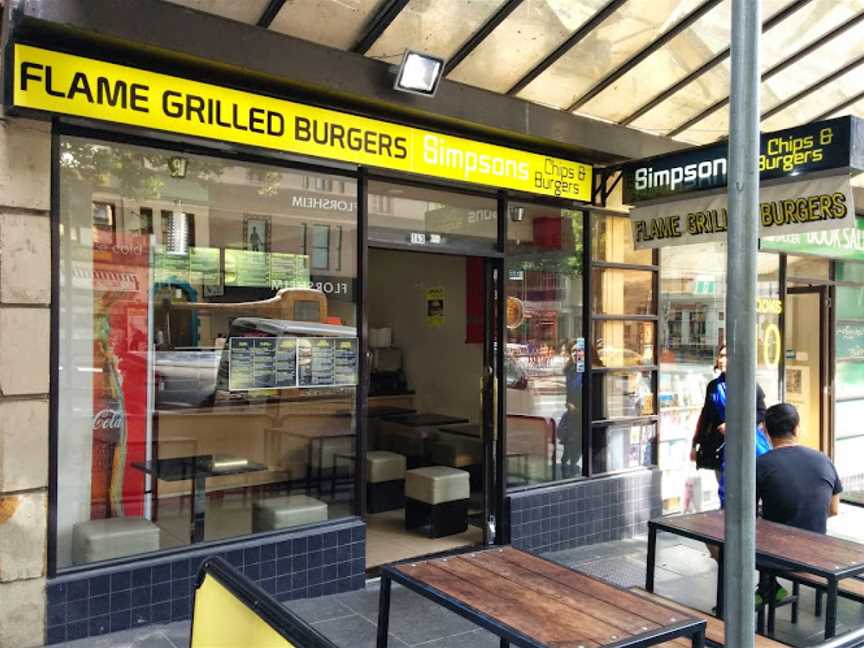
(260, 294)
(809, 300)
(255, 299)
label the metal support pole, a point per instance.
(740, 452)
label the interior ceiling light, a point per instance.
(419, 74)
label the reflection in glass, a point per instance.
(429, 218)
(692, 327)
(622, 393)
(622, 446)
(622, 292)
(619, 343)
(545, 356)
(612, 241)
(183, 302)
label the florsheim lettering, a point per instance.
(73, 85)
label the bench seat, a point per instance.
(850, 588)
(715, 630)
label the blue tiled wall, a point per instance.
(302, 564)
(582, 513)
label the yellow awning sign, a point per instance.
(74, 85)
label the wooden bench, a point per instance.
(850, 588)
(715, 629)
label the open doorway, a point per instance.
(425, 457)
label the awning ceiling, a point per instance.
(661, 66)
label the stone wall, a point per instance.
(25, 295)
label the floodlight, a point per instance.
(419, 74)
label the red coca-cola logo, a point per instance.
(109, 420)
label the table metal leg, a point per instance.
(384, 611)
(831, 609)
(699, 638)
(320, 465)
(199, 508)
(309, 466)
(720, 571)
(652, 557)
(504, 643)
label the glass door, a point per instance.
(806, 376)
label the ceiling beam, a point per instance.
(566, 46)
(273, 7)
(845, 104)
(776, 69)
(644, 53)
(378, 23)
(480, 35)
(821, 83)
(709, 65)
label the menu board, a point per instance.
(170, 267)
(286, 362)
(345, 361)
(326, 362)
(289, 270)
(200, 266)
(246, 268)
(205, 267)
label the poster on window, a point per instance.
(435, 307)
(121, 308)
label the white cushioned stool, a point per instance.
(437, 496)
(288, 511)
(385, 488)
(113, 538)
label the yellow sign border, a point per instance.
(83, 87)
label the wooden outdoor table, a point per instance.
(855, 498)
(534, 603)
(779, 545)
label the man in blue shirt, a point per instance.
(797, 486)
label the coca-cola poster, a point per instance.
(121, 297)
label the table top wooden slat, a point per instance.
(607, 613)
(574, 623)
(541, 599)
(507, 611)
(653, 613)
(824, 553)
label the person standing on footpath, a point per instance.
(710, 437)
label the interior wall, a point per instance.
(444, 371)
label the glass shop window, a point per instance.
(206, 375)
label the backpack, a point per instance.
(709, 446)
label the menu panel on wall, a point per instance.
(289, 270)
(345, 361)
(246, 268)
(326, 362)
(287, 362)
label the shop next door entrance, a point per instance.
(807, 375)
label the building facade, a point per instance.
(237, 283)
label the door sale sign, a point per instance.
(73, 85)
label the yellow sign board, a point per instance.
(74, 85)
